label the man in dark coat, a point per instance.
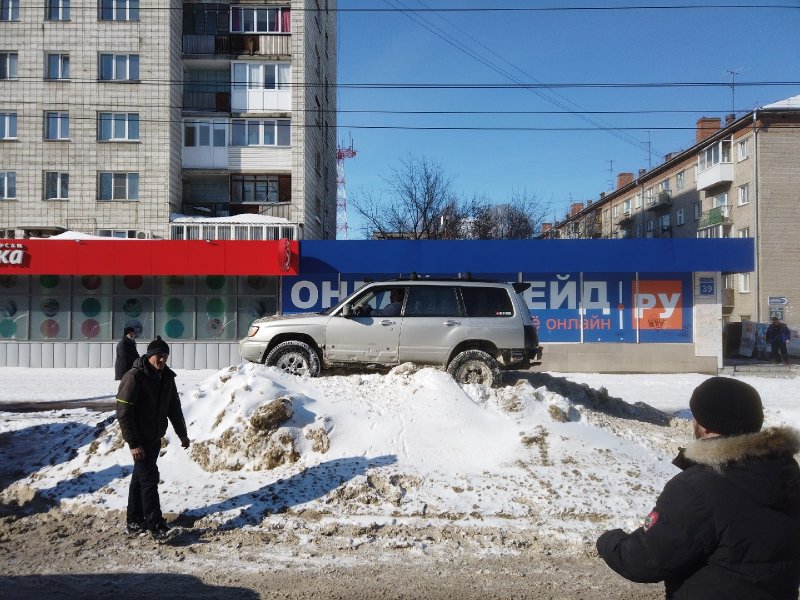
(728, 526)
(777, 335)
(146, 399)
(126, 353)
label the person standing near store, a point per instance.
(146, 399)
(126, 353)
(777, 335)
(728, 526)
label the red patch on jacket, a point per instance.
(650, 520)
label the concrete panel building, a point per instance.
(116, 116)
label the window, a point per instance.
(8, 185)
(744, 232)
(713, 155)
(650, 225)
(680, 180)
(204, 133)
(252, 19)
(744, 194)
(57, 10)
(679, 217)
(118, 127)
(8, 65)
(664, 222)
(56, 185)
(746, 318)
(251, 132)
(205, 19)
(9, 10)
(744, 282)
(728, 281)
(267, 76)
(118, 10)
(698, 210)
(8, 126)
(614, 211)
(721, 200)
(742, 148)
(57, 66)
(260, 189)
(639, 231)
(663, 186)
(638, 200)
(487, 302)
(56, 126)
(626, 207)
(432, 301)
(118, 186)
(648, 194)
(119, 67)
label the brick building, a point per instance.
(741, 178)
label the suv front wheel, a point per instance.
(475, 366)
(294, 357)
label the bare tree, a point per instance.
(421, 204)
(518, 219)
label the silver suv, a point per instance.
(473, 329)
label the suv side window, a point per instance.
(487, 302)
(432, 301)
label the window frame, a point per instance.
(108, 10)
(8, 123)
(237, 13)
(9, 67)
(57, 10)
(114, 56)
(281, 77)
(9, 9)
(62, 184)
(742, 149)
(242, 127)
(679, 217)
(61, 66)
(680, 180)
(8, 181)
(115, 176)
(744, 283)
(249, 183)
(743, 194)
(61, 122)
(113, 121)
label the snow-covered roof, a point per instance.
(792, 103)
(245, 218)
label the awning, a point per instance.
(148, 257)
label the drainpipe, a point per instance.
(757, 212)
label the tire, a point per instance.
(475, 366)
(295, 358)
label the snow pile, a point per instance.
(543, 452)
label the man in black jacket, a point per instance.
(728, 526)
(126, 353)
(147, 397)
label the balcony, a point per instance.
(261, 44)
(716, 216)
(207, 101)
(662, 201)
(714, 175)
(226, 209)
(206, 45)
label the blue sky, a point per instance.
(574, 162)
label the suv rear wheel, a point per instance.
(475, 366)
(297, 358)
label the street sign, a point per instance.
(778, 301)
(776, 313)
(706, 286)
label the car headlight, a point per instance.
(252, 331)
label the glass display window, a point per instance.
(91, 318)
(133, 311)
(174, 317)
(50, 317)
(254, 307)
(216, 317)
(14, 316)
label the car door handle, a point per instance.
(451, 323)
(387, 322)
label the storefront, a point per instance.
(64, 303)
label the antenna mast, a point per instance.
(342, 153)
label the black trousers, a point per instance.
(143, 502)
(780, 353)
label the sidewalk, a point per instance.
(739, 365)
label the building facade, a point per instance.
(739, 180)
(116, 116)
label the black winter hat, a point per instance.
(727, 406)
(157, 346)
(128, 330)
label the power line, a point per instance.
(500, 9)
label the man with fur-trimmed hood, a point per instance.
(728, 526)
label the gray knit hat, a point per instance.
(727, 406)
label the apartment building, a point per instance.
(740, 179)
(118, 115)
